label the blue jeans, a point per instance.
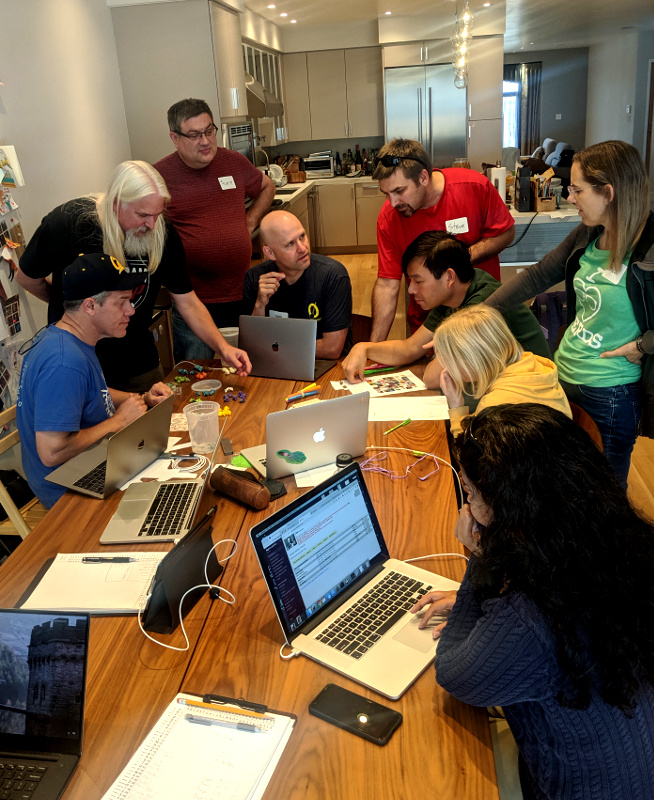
(616, 412)
(187, 346)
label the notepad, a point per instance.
(180, 758)
(106, 587)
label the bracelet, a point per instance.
(639, 344)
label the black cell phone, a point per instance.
(355, 714)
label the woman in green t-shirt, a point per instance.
(605, 357)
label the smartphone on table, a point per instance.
(356, 714)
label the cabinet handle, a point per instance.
(429, 117)
(421, 48)
(469, 110)
(419, 114)
(426, 53)
(235, 103)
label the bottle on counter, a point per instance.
(338, 168)
(350, 161)
(364, 158)
(358, 161)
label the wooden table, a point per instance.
(443, 747)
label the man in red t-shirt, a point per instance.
(208, 187)
(459, 201)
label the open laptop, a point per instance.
(108, 464)
(327, 567)
(158, 511)
(41, 718)
(281, 347)
(311, 436)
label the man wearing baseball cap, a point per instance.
(64, 405)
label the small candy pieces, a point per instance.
(224, 411)
(231, 396)
(181, 379)
(208, 392)
(229, 370)
(183, 372)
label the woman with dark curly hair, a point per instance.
(554, 619)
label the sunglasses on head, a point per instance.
(394, 161)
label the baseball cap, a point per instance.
(93, 273)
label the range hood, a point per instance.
(261, 102)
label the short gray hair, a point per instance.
(71, 306)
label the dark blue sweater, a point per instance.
(501, 653)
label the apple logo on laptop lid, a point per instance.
(319, 436)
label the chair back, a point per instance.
(6, 443)
(585, 421)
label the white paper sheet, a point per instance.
(391, 409)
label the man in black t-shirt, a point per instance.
(298, 284)
(127, 223)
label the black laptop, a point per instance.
(43, 657)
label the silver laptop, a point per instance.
(327, 566)
(311, 436)
(41, 720)
(280, 347)
(108, 464)
(158, 511)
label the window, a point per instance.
(511, 114)
(263, 65)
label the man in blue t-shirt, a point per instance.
(64, 405)
(296, 283)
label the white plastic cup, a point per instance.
(203, 426)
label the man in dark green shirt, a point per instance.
(442, 279)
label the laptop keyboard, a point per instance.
(18, 780)
(169, 510)
(93, 481)
(364, 624)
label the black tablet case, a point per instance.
(181, 569)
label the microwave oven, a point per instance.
(319, 166)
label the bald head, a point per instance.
(285, 242)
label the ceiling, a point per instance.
(548, 24)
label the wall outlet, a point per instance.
(558, 116)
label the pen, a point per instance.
(310, 386)
(395, 427)
(239, 712)
(300, 396)
(377, 370)
(107, 560)
(223, 723)
(378, 366)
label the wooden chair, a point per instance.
(585, 421)
(13, 512)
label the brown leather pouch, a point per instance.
(241, 486)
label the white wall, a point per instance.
(611, 87)
(260, 30)
(61, 104)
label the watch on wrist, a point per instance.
(639, 344)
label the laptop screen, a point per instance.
(42, 680)
(316, 548)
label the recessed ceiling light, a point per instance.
(293, 20)
(486, 5)
(283, 14)
(272, 5)
(530, 42)
(388, 13)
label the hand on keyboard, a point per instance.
(435, 603)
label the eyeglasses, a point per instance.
(394, 161)
(195, 136)
(573, 190)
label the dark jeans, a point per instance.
(616, 412)
(187, 346)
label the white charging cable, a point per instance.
(206, 585)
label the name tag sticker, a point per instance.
(227, 182)
(455, 226)
(614, 277)
(272, 313)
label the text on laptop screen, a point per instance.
(318, 549)
(42, 674)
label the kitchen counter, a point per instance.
(293, 191)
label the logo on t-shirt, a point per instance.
(108, 403)
(139, 264)
(313, 311)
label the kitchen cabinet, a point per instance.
(335, 220)
(327, 94)
(228, 55)
(300, 208)
(485, 76)
(484, 141)
(334, 94)
(296, 97)
(417, 54)
(369, 202)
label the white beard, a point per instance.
(140, 245)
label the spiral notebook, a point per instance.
(202, 750)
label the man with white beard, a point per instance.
(125, 222)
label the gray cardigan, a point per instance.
(563, 262)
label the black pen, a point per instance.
(107, 560)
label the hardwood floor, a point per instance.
(363, 271)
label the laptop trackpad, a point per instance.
(419, 639)
(136, 501)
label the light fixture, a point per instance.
(388, 13)
(486, 5)
(272, 5)
(293, 20)
(283, 14)
(461, 35)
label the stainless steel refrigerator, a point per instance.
(422, 103)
